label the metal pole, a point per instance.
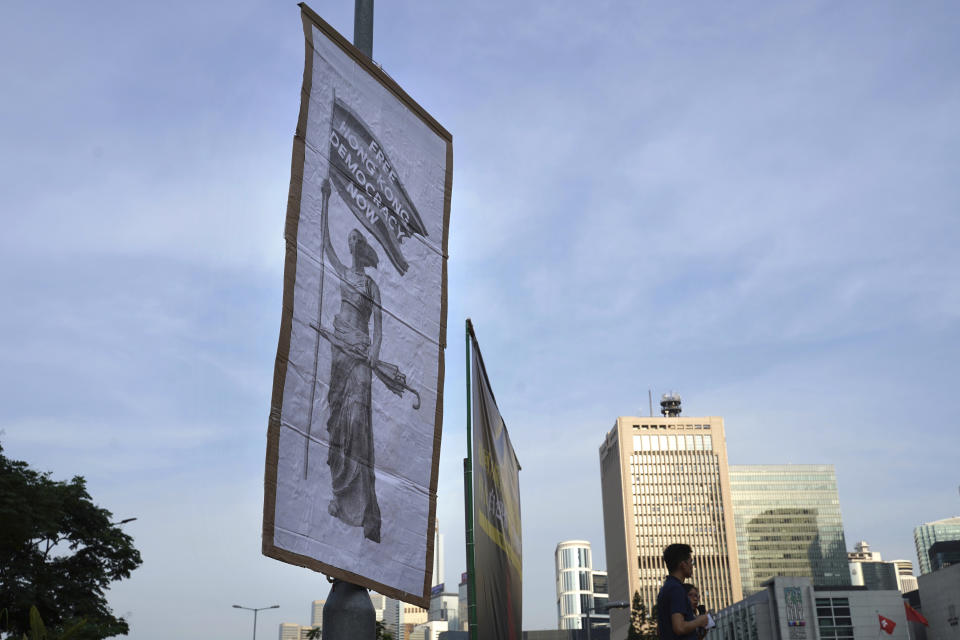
(588, 623)
(348, 613)
(255, 611)
(363, 26)
(472, 628)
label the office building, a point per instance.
(316, 612)
(573, 563)
(444, 607)
(792, 608)
(787, 519)
(906, 581)
(289, 631)
(379, 602)
(862, 553)
(601, 593)
(944, 553)
(930, 533)
(867, 569)
(666, 480)
(400, 618)
(437, 555)
(580, 588)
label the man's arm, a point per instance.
(682, 627)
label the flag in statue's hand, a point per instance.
(366, 180)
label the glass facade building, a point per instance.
(788, 523)
(575, 588)
(926, 535)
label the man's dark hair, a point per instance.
(674, 554)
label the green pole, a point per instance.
(468, 506)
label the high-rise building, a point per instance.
(930, 533)
(788, 523)
(906, 581)
(665, 480)
(444, 607)
(862, 553)
(437, 555)
(601, 592)
(379, 602)
(867, 569)
(573, 563)
(400, 618)
(580, 588)
(289, 631)
(316, 613)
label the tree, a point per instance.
(58, 552)
(382, 633)
(643, 625)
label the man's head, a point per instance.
(679, 559)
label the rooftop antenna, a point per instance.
(650, 399)
(670, 405)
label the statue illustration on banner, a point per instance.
(354, 432)
(360, 170)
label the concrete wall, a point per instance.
(940, 597)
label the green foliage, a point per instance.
(58, 554)
(382, 633)
(643, 624)
(38, 631)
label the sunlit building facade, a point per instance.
(788, 523)
(574, 571)
(906, 581)
(929, 534)
(665, 480)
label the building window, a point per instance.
(833, 618)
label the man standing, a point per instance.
(676, 619)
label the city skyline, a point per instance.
(752, 205)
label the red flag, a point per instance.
(913, 614)
(887, 624)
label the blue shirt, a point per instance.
(673, 599)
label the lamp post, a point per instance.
(236, 606)
(616, 604)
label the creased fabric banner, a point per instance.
(498, 556)
(353, 438)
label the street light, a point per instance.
(616, 604)
(236, 606)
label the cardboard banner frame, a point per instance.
(293, 216)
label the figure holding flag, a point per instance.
(353, 356)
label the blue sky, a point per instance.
(753, 204)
